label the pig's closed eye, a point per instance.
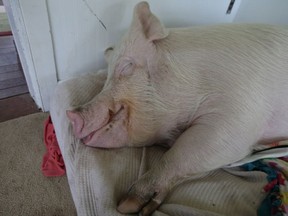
(126, 68)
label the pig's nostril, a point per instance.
(114, 112)
(111, 113)
(76, 120)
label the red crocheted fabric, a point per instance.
(53, 163)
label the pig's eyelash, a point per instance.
(125, 68)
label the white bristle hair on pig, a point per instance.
(209, 93)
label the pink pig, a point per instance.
(209, 93)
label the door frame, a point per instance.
(30, 25)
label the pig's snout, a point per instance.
(95, 125)
(76, 121)
(91, 118)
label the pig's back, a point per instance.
(236, 53)
(245, 62)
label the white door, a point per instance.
(57, 40)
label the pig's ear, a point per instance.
(108, 53)
(147, 23)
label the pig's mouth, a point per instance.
(107, 125)
(86, 139)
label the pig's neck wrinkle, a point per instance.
(177, 83)
(181, 86)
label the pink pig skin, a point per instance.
(209, 93)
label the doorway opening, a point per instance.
(15, 100)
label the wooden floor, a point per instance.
(15, 101)
(17, 106)
(12, 80)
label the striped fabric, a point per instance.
(98, 178)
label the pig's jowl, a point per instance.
(210, 93)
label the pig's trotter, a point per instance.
(130, 204)
(154, 203)
(144, 196)
(134, 203)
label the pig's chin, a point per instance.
(114, 134)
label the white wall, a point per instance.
(80, 39)
(263, 11)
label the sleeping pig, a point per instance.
(209, 93)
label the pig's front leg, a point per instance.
(199, 149)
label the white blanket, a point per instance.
(98, 178)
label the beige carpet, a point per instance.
(23, 188)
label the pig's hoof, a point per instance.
(133, 204)
(129, 205)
